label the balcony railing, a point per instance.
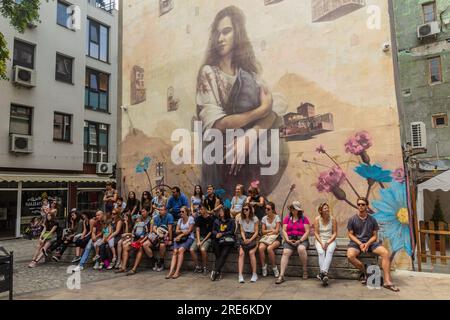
(107, 5)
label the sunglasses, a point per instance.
(245, 209)
(361, 204)
(268, 209)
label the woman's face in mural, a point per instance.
(225, 37)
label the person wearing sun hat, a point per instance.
(295, 233)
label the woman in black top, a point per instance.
(257, 201)
(82, 242)
(223, 240)
(132, 207)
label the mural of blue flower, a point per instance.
(374, 172)
(227, 203)
(143, 165)
(220, 192)
(392, 214)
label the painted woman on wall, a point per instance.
(231, 95)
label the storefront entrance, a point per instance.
(8, 214)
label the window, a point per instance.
(23, 54)
(97, 40)
(62, 15)
(20, 120)
(63, 68)
(96, 90)
(440, 120)
(429, 12)
(95, 142)
(435, 70)
(62, 127)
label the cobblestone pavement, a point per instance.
(48, 281)
(46, 276)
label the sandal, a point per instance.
(169, 276)
(120, 271)
(131, 272)
(32, 264)
(391, 287)
(280, 280)
(363, 278)
(176, 275)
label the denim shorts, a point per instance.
(372, 247)
(186, 245)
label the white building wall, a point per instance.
(51, 95)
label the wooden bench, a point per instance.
(340, 267)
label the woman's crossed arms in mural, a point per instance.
(229, 93)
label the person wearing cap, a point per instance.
(162, 225)
(295, 233)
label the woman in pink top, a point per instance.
(295, 234)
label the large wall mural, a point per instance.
(309, 77)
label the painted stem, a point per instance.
(346, 179)
(317, 164)
(350, 204)
(368, 191)
(149, 182)
(381, 185)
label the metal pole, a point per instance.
(11, 282)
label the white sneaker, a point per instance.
(264, 270)
(155, 267)
(97, 265)
(241, 279)
(275, 272)
(77, 268)
(254, 278)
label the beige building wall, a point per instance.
(337, 65)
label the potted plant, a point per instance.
(438, 216)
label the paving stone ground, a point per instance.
(48, 281)
(50, 275)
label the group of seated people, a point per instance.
(251, 225)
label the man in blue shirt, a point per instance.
(175, 202)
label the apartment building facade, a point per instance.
(58, 111)
(422, 31)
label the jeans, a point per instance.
(221, 252)
(86, 253)
(325, 257)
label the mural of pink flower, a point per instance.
(330, 179)
(359, 143)
(399, 175)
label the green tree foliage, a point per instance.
(20, 14)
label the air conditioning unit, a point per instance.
(24, 76)
(418, 135)
(105, 168)
(428, 29)
(21, 143)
